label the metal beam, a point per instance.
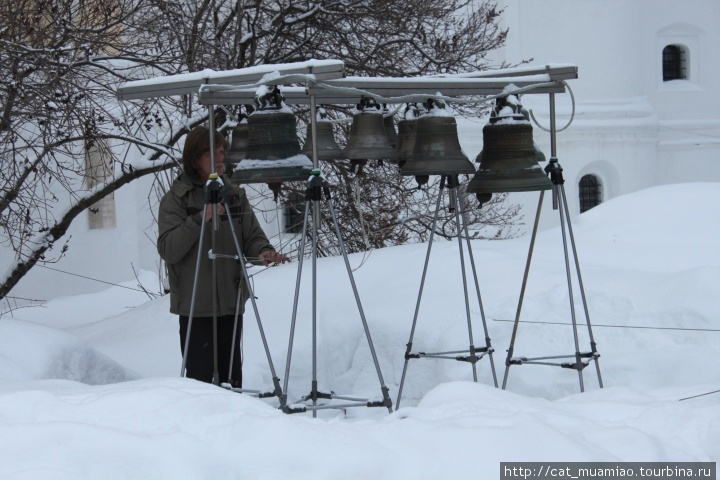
(386, 90)
(555, 71)
(189, 83)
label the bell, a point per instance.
(437, 149)
(327, 148)
(390, 132)
(273, 152)
(509, 159)
(406, 140)
(368, 140)
(238, 144)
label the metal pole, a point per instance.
(522, 289)
(383, 387)
(477, 290)
(215, 228)
(452, 188)
(422, 285)
(194, 293)
(559, 196)
(297, 296)
(593, 346)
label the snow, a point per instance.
(90, 385)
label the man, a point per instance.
(179, 225)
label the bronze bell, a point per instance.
(509, 159)
(368, 140)
(437, 149)
(327, 148)
(273, 153)
(406, 139)
(238, 144)
(390, 132)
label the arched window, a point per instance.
(590, 192)
(674, 63)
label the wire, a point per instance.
(93, 279)
(572, 114)
(618, 326)
(701, 395)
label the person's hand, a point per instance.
(209, 211)
(271, 256)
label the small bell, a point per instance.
(368, 140)
(238, 144)
(327, 148)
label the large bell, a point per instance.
(509, 159)
(437, 149)
(327, 148)
(273, 154)
(368, 140)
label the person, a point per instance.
(179, 225)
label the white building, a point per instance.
(647, 112)
(647, 100)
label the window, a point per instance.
(590, 193)
(97, 170)
(674, 63)
(294, 213)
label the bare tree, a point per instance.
(63, 61)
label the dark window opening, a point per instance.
(673, 63)
(294, 213)
(590, 193)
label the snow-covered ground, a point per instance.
(90, 385)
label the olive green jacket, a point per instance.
(179, 226)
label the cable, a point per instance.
(619, 326)
(572, 114)
(701, 395)
(93, 279)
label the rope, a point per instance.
(368, 250)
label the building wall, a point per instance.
(631, 129)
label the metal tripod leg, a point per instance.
(194, 291)
(277, 391)
(316, 187)
(214, 193)
(578, 356)
(457, 206)
(408, 350)
(593, 345)
(488, 344)
(559, 201)
(508, 360)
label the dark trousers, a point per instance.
(200, 363)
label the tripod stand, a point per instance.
(581, 359)
(316, 188)
(214, 194)
(473, 354)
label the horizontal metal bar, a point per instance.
(188, 83)
(347, 95)
(555, 72)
